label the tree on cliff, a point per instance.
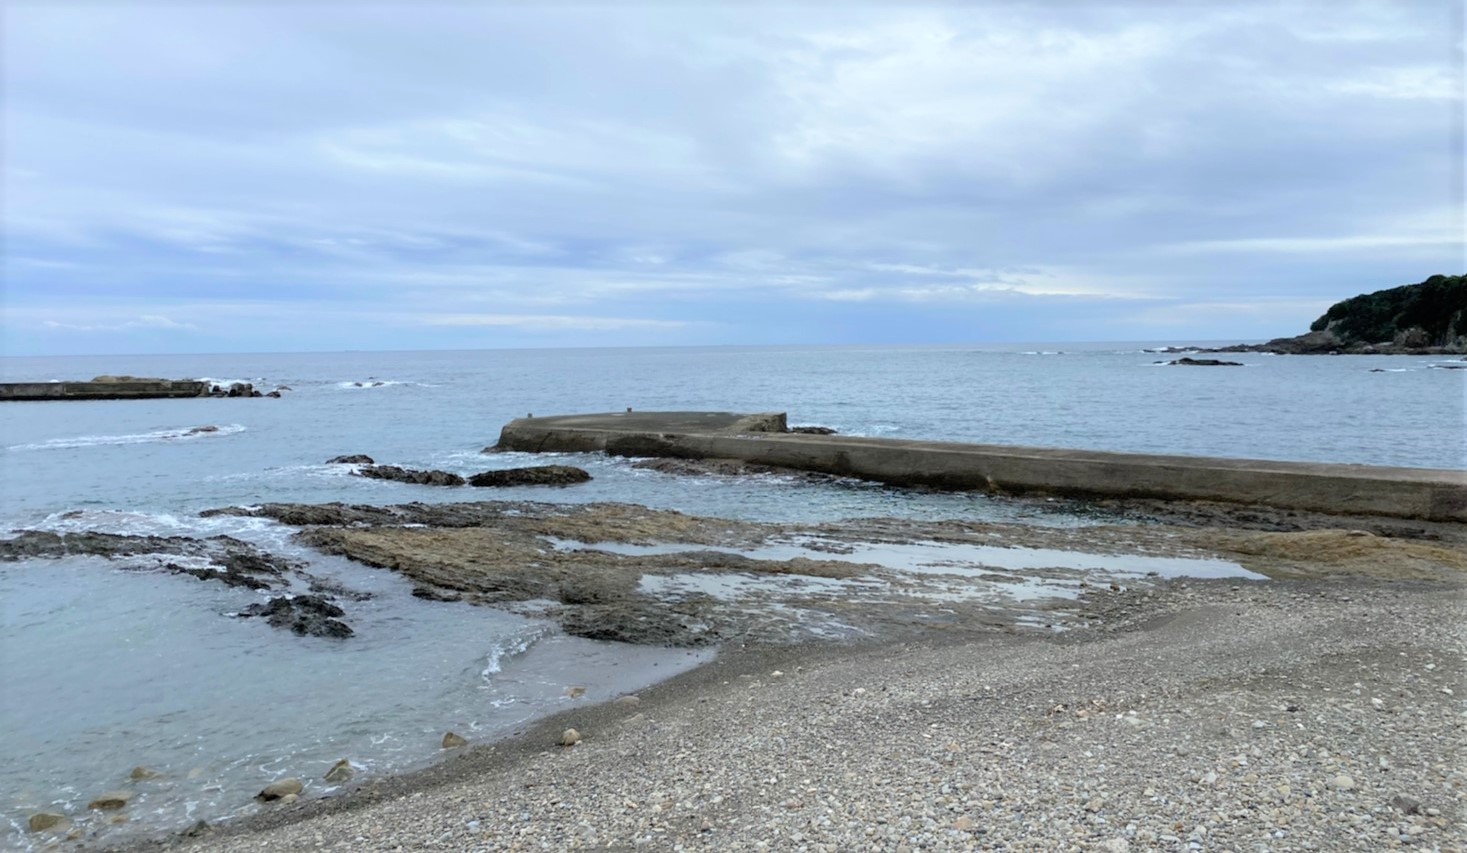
(1430, 314)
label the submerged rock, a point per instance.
(453, 740)
(42, 821)
(110, 801)
(140, 773)
(306, 615)
(539, 475)
(351, 459)
(281, 789)
(235, 562)
(408, 475)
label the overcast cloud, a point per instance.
(341, 176)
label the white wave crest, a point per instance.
(173, 434)
(132, 523)
(371, 383)
(512, 646)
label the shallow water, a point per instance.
(112, 667)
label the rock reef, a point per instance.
(224, 559)
(539, 475)
(409, 475)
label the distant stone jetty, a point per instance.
(1417, 493)
(124, 388)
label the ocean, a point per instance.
(105, 667)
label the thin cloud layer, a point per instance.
(246, 177)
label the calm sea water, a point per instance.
(105, 668)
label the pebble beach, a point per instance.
(1204, 715)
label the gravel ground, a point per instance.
(1204, 716)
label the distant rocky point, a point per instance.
(1429, 318)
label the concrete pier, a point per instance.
(1420, 493)
(139, 389)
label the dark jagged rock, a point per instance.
(812, 430)
(408, 475)
(540, 475)
(225, 576)
(1203, 362)
(235, 389)
(306, 615)
(351, 459)
(200, 430)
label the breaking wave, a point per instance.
(162, 435)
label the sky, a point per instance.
(271, 176)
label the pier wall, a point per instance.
(139, 390)
(1428, 494)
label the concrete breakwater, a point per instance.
(124, 388)
(130, 389)
(1418, 493)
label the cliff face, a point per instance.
(1430, 314)
(1429, 318)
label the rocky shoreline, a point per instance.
(1200, 715)
(1044, 688)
